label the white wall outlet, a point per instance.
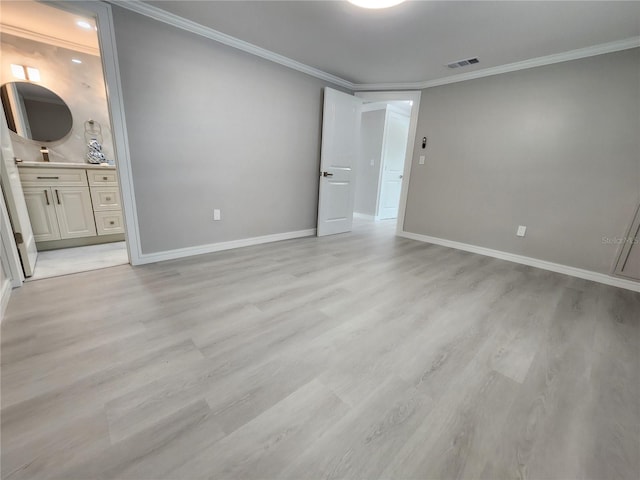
(421, 161)
(521, 230)
(216, 214)
(372, 162)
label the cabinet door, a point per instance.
(75, 214)
(42, 213)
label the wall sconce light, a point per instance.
(25, 73)
(19, 71)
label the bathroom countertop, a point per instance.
(65, 165)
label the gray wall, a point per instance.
(212, 127)
(555, 148)
(368, 175)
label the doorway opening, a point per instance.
(364, 171)
(398, 139)
(59, 176)
(384, 137)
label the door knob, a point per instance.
(400, 176)
(327, 174)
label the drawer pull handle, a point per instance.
(46, 196)
(108, 199)
(105, 178)
(112, 222)
(58, 197)
(47, 178)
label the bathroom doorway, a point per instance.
(59, 179)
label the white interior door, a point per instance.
(394, 150)
(12, 189)
(340, 133)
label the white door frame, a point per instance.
(8, 247)
(109, 56)
(9, 258)
(413, 96)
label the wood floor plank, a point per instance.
(356, 356)
(367, 439)
(153, 451)
(265, 446)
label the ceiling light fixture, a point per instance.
(376, 3)
(83, 24)
(76, 60)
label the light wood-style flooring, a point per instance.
(357, 356)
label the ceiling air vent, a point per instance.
(463, 63)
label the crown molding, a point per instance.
(40, 37)
(610, 47)
(160, 15)
(193, 27)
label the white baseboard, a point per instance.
(532, 262)
(5, 294)
(217, 247)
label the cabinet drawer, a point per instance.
(53, 177)
(103, 178)
(109, 222)
(105, 198)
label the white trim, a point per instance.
(41, 37)
(193, 27)
(109, 55)
(220, 246)
(9, 258)
(532, 262)
(594, 50)
(5, 295)
(413, 127)
(8, 247)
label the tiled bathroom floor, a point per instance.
(54, 263)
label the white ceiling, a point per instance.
(41, 22)
(413, 41)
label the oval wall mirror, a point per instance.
(35, 112)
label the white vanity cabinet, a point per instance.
(59, 203)
(105, 196)
(42, 213)
(70, 203)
